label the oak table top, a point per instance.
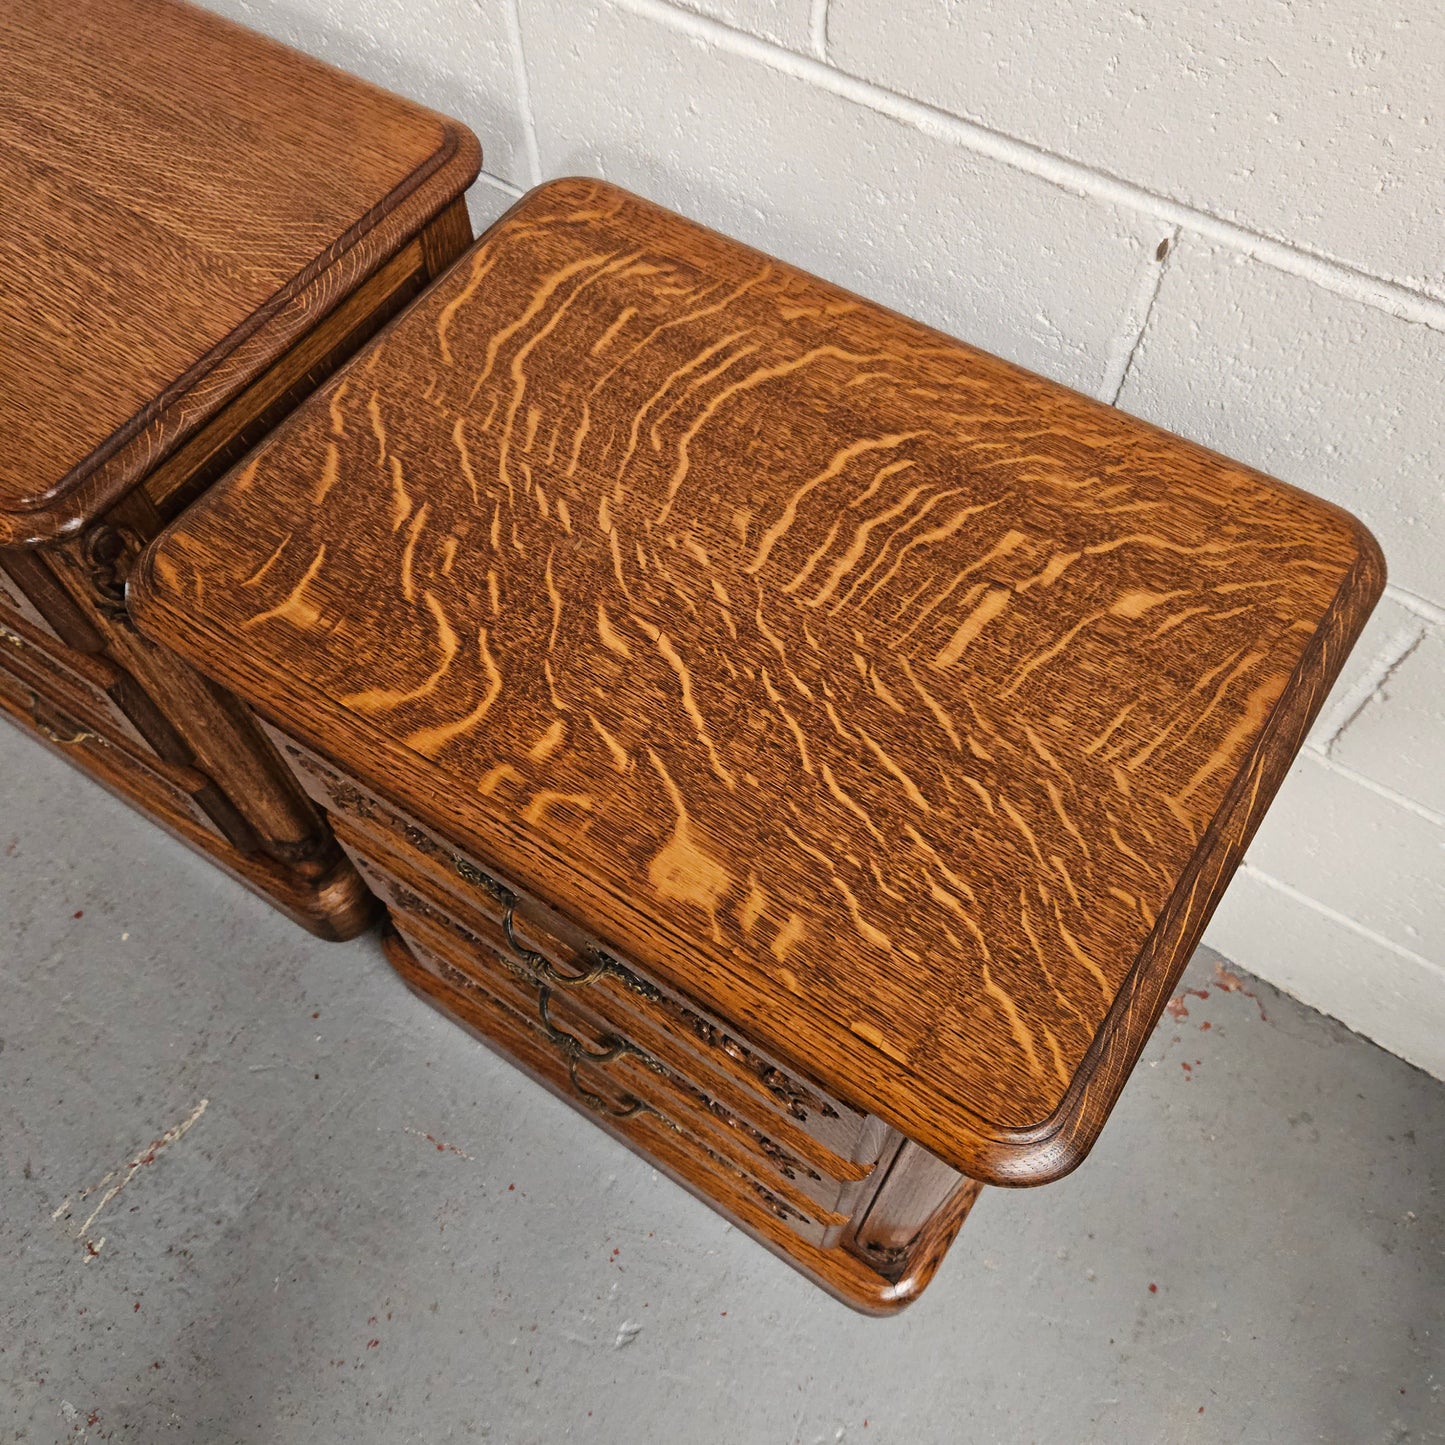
(182, 199)
(912, 710)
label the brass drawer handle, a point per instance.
(795, 1100)
(570, 1043)
(793, 1097)
(15, 640)
(629, 1110)
(469, 873)
(46, 731)
(576, 1051)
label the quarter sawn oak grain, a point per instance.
(183, 199)
(198, 225)
(905, 707)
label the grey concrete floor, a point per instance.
(376, 1231)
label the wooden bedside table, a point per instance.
(199, 225)
(810, 744)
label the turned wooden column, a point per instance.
(199, 226)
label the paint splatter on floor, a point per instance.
(1230, 982)
(441, 1147)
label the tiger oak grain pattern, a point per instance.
(183, 199)
(199, 225)
(906, 708)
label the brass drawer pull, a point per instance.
(793, 1097)
(629, 1110)
(571, 1043)
(572, 1049)
(46, 731)
(576, 1051)
(469, 873)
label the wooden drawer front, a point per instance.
(87, 684)
(694, 1046)
(606, 998)
(620, 1096)
(572, 1025)
(92, 747)
(100, 699)
(853, 1140)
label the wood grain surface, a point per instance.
(65, 603)
(906, 708)
(855, 1275)
(182, 199)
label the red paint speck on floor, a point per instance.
(1153, 1289)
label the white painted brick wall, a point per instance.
(1006, 172)
(907, 217)
(1308, 121)
(1318, 388)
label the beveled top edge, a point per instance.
(1012, 1155)
(124, 458)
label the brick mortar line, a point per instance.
(1420, 810)
(1119, 358)
(818, 28)
(499, 184)
(1383, 666)
(1073, 176)
(524, 90)
(1343, 919)
(1422, 607)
